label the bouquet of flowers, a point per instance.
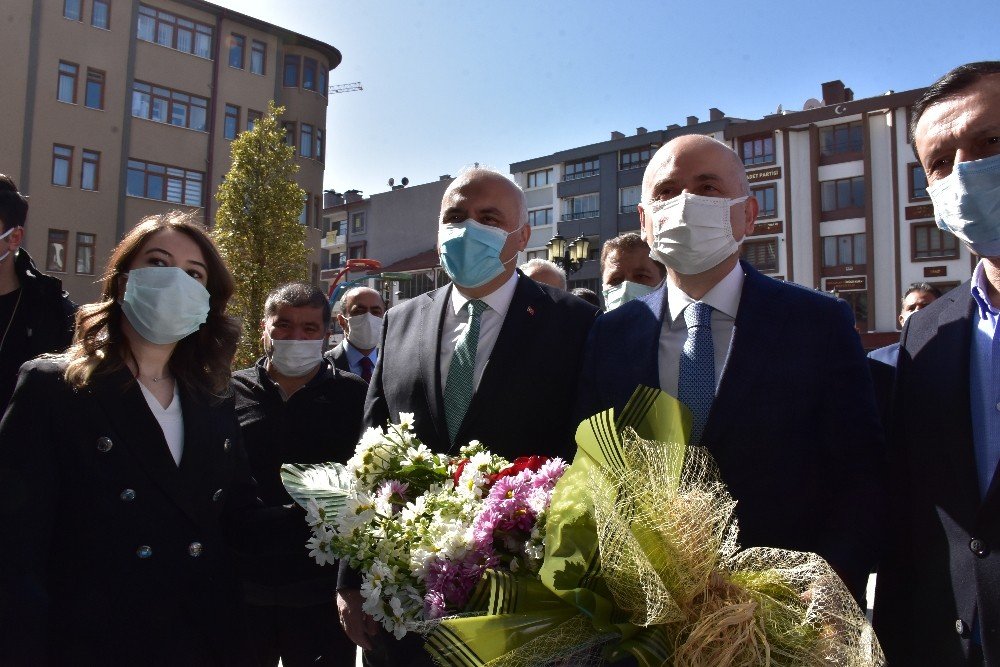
(421, 527)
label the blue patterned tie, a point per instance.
(696, 380)
(458, 389)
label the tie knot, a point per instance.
(476, 308)
(698, 314)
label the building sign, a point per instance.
(764, 174)
(846, 284)
(935, 271)
(769, 227)
(921, 211)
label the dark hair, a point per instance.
(627, 242)
(588, 295)
(297, 295)
(202, 361)
(13, 205)
(922, 287)
(948, 86)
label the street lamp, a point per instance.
(570, 257)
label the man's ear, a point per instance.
(750, 210)
(645, 232)
(15, 238)
(342, 321)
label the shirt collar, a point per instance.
(354, 355)
(498, 300)
(724, 296)
(980, 292)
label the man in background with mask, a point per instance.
(773, 373)
(627, 270)
(937, 600)
(295, 407)
(360, 316)
(494, 357)
(36, 316)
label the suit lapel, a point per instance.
(432, 314)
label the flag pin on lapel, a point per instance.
(531, 311)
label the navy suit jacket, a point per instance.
(338, 356)
(524, 402)
(942, 565)
(793, 427)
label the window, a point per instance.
(289, 133)
(309, 67)
(304, 211)
(322, 82)
(237, 45)
(232, 122)
(320, 144)
(55, 257)
(158, 181)
(842, 198)
(290, 79)
(62, 159)
(164, 105)
(66, 90)
(634, 159)
(628, 198)
(72, 10)
(537, 179)
(845, 252)
(358, 223)
(757, 150)
(90, 173)
(542, 216)
(839, 140)
(100, 16)
(767, 200)
(94, 95)
(582, 169)
(258, 57)
(918, 181)
(762, 255)
(859, 304)
(584, 206)
(252, 118)
(306, 140)
(85, 253)
(537, 254)
(174, 32)
(929, 242)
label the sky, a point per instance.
(448, 83)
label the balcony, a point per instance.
(580, 215)
(334, 243)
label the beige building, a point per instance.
(118, 109)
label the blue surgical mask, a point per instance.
(967, 204)
(470, 252)
(164, 304)
(623, 293)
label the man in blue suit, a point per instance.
(774, 373)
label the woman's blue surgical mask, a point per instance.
(967, 204)
(470, 252)
(164, 304)
(624, 292)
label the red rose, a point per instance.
(531, 463)
(458, 471)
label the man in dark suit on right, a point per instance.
(773, 373)
(937, 600)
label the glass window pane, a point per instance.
(198, 118)
(140, 104)
(154, 186)
(135, 184)
(93, 97)
(309, 74)
(843, 194)
(175, 190)
(178, 114)
(65, 88)
(858, 187)
(60, 171)
(203, 45)
(88, 177)
(829, 251)
(165, 34)
(828, 195)
(192, 191)
(71, 9)
(146, 29)
(100, 17)
(844, 250)
(185, 40)
(159, 110)
(859, 249)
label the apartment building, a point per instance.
(843, 202)
(118, 109)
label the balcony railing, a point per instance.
(580, 215)
(629, 208)
(581, 174)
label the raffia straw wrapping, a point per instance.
(671, 559)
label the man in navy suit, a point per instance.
(361, 311)
(774, 373)
(493, 357)
(938, 596)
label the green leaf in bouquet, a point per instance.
(327, 484)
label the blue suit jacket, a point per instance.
(793, 426)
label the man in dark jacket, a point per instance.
(36, 316)
(295, 407)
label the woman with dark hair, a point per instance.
(120, 463)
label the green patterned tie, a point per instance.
(458, 388)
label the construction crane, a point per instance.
(346, 88)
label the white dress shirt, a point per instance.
(724, 298)
(170, 419)
(456, 318)
(354, 357)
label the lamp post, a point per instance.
(569, 256)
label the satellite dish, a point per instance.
(392, 182)
(405, 181)
(811, 103)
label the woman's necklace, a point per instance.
(137, 374)
(17, 303)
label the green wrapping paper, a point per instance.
(642, 560)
